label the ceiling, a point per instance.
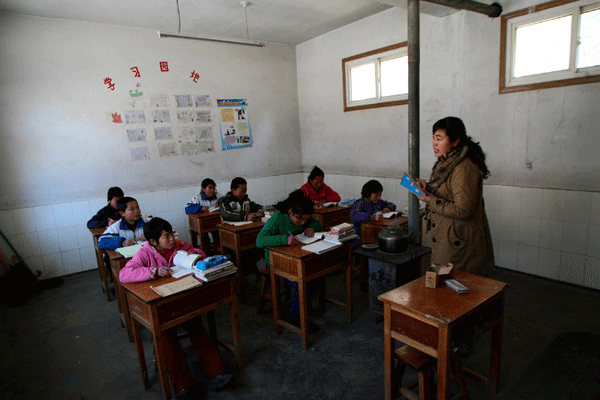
(282, 21)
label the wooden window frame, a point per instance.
(365, 55)
(504, 87)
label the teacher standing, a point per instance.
(460, 233)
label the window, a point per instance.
(378, 78)
(549, 45)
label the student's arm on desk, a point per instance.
(185, 246)
(138, 269)
(331, 195)
(270, 235)
(100, 220)
(314, 223)
(193, 208)
(110, 239)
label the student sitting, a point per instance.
(316, 189)
(293, 216)
(206, 199)
(109, 214)
(128, 230)
(237, 206)
(369, 207)
(153, 261)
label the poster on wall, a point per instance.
(235, 125)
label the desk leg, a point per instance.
(162, 367)
(212, 325)
(205, 244)
(303, 313)
(276, 298)
(495, 356)
(388, 343)
(118, 295)
(194, 237)
(235, 326)
(349, 290)
(140, 352)
(443, 362)
(240, 271)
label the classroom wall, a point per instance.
(59, 143)
(60, 150)
(543, 197)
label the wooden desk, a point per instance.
(96, 232)
(200, 225)
(332, 216)
(301, 266)
(239, 239)
(424, 319)
(161, 313)
(117, 262)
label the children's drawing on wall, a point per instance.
(202, 100)
(159, 100)
(206, 132)
(203, 116)
(139, 153)
(185, 116)
(206, 146)
(188, 133)
(136, 135)
(135, 117)
(163, 133)
(167, 149)
(114, 117)
(135, 93)
(189, 148)
(160, 115)
(183, 100)
(235, 126)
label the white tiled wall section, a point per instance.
(55, 240)
(546, 232)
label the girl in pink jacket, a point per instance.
(154, 260)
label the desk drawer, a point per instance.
(194, 300)
(415, 329)
(328, 260)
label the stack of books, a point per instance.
(216, 272)
(342, 232)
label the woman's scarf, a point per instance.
(441, 170)
(444, 166)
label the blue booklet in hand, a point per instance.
(410, 184)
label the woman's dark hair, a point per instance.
(153, 228)
(371, 187)
(455, 129)
(316, 171)
(297, 202)
(206, 182)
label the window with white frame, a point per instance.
(378, 78)
(552, 44)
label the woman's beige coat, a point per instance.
(460, 233)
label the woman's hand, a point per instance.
(309, 232)
(163, 271)
(426, 197)
(292, 240)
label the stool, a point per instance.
(266, 279)
(424, 364)
(420, 362)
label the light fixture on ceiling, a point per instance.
(243, 42)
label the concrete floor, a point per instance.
(67, 343)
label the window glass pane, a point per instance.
(589, 39)
(362, 80)
(394, 76)
(543, 47)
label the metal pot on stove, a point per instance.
(393, 240)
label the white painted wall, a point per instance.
(58, 143)
(554, 129)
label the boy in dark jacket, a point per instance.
(108, 215)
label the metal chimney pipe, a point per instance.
(413, 113)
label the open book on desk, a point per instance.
(129, 251)
(322, 244)
(214, 208)
(302, 238)
(391, 214)
(176, 286)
